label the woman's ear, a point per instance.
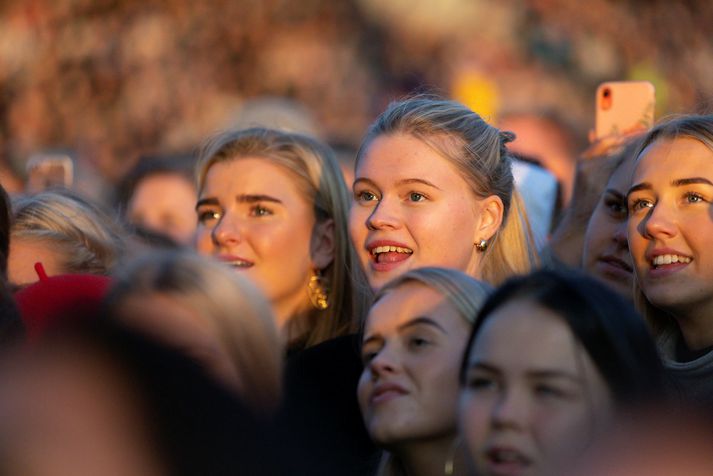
(322, 244)
(491, 211)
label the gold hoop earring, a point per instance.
(482, 245)
(449, 467)
(318, 292)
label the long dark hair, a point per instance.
(608, 327)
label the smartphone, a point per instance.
(623, 107)
(49, 170)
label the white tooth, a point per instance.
(667, 259)
(392, 248)
(675, 258)
(688, 260)
(658, 260)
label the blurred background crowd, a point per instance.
(112, 80)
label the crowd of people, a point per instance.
(252, 311)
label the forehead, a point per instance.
(250, 175)
(674, 158)
(400, 305)
(541, 338)
(398, 156)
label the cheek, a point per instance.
(204, 242)
(363, 390)
(561, 433)
(473, 414)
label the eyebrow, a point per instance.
(417, 321)
(405, 181)
(244, 198)
(537, 374)
(422, 320)
(675, 183)
(616, 193)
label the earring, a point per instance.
(318, 291)
(482, 245)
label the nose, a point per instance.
(384, 216)
(384, 363)
(660, 222)
(510, 410)
(620, 236)
(226, 232)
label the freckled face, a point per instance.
(412, 208)
(253, 216)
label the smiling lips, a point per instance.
(235, 261)
(386, 255)
(502, 461)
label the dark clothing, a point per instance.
(321, 414)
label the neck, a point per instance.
(696, 326)
(292, 317)
(429, 458)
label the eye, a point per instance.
(260, 211)
(365, 196)
(616, 208)
(417, 343)
(692, 197)
(638, 204)
(416, 197)
(549, 391)
(480, 382)
(205, 216)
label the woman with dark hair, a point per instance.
(552, 357)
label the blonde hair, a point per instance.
(87, 238)
(243, 317)
(693, 126)
(319, 177)
(478, 152)
(466, 294)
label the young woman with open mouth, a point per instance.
(414, 338)
(273, 205)
(434, 187)
(670, 232)
(552, 360)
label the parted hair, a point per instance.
(89, 240)
(479, 153)
(318, 176)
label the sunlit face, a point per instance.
(671, 224)
(411, 209)
(24, 253)
(165, 203)
(532, 396)
(413, 343)
(252, 215)
(606, 251)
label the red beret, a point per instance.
(53, 300)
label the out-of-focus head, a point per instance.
(209, 312)
(670, 223)
(413, 340)
(551, 357)
(606, 250)
(432, 180)
(548, 140)
(101, 399)
(273, 205)
(159, 195)
(5, 220)
(64, 232)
